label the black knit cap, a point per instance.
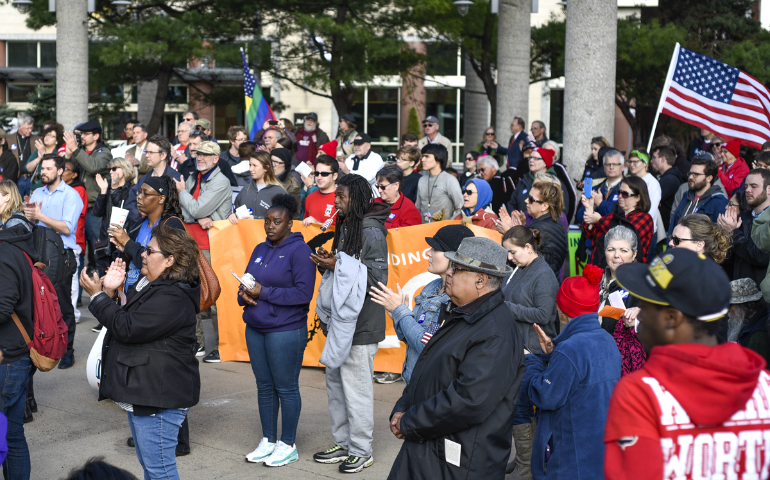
(160, 184)
(448, 238)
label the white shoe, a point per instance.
(264, 450)
(282, 455)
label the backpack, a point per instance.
(49, 343)
(49, 247)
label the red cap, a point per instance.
(330, 148)
(580, 295)
(734, 147)
(547, 155)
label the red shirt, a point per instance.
(403, 213)
(732, 176)
(321, 206)
(80, 233)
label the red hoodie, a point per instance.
(692, 412)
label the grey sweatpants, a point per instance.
(351, 400)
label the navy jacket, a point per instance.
(608, 202)
(571, 388)
(711, 204)
(287, 276)
(513, 152)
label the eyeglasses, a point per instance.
(613, 165)
(734, 205)
(532, 158)
(427, 124)
(142, 193)
(634, 162)
(453, 266)
(150, 251)
(694, 174)
(114, 169)
(322, 174)
(468, 159)
(491, 134)
(717, 144)
(148, 152)
(624, 194)
(70, 170)
(182, 131)
(468, 192)
(383, 187)
(531, 199)
(676, 240)
(275, 162)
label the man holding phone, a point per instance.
(57, 206)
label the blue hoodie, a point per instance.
(287, 276)
(484, 195)
(571, 388)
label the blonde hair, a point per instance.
(14, 205)
(550, 193)
(126, 166)
(716, 239)
(267, 163)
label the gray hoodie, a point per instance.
(438, 193)
(259, 201)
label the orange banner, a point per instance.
(231, 247)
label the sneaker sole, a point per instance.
(259, 460)
(286, 461)
(331, 460)
(387, 382)
(365, 465)
(200, 354)
(213, 361)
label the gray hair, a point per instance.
(494, 283)
(557, 151)
(487, 161)
(189, 126)
(278, 133)
(25, 119)
(143, 126)
(614, 153)
(621, 233)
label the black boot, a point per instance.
(31, 403)
(183, 439)
(130, 442)
(28, 414)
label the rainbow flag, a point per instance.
(257, 109)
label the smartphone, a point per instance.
(90, 271)
(272, 122)
(588, 186)
(241, 281)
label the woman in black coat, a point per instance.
(113, 193)
(148, 359)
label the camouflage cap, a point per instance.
(209, 148)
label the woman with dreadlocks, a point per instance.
(360, 233)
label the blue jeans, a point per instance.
(93, 227)
(24, 184)
(525, 410)
(14, 377)
(155, 437)
(276, 359)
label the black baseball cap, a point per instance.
(682, 279)
(449, 238)
(90, 126)
(348, 118)
(362, 138)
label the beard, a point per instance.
(758, 200)
(47, 180)
(696, 186)
(310, 127)
(735, 323)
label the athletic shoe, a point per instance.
(212, 357)
(97, 328)
(354, 464)
(387, 378)
(201, 351)
(264, 450)
(335, 454)
(282, 455)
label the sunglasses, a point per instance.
(676, 240)
(383, 187)
(531, 199)
(624, 194)
(453, 266)
(597, 140)
(427, 124)
(468, 192)
(150, 251)
(322, 174)
(468, 159)
(114, 169)
(489, 133)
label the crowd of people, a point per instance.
(656, 349)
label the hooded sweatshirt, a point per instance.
(258, 200)
(287, 276)
(690, 409)
(711, 204)
(16, 292)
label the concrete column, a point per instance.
(513, 40)
(476, 110)
(589, 71)
(145, 100)
(72, 62)
(412, 92)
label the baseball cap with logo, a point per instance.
(362, 138)
(681, 279)
(209, 148)
(430, 119)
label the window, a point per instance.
(442, 104)
(442, 59)
(22, 54)
(382, 124)
(177, 94)
(19, 93)
(48, 54)
(556, 128)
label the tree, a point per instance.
(413, 124)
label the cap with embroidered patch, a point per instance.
(682, 279)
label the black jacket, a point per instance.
(669, 184)
(464, 388)
(148, 357)
(16, 290)
(9, 166)
(554, 246)
(102, 207)
(748, 260)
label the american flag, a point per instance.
(432, 329)
(710, 94)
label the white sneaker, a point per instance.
(264, 450)
(282, 455)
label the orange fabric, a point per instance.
(231, 247)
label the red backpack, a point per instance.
(50, 341)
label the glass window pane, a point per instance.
(556, 127)
(442, 104)
(357, 110)
(19, 93)
(383, 114)
(442, 59)
(22, 54)
(47, 54)
(177, 94)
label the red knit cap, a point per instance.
(330, 148)
(734, 147)
(547, 155)
(580, 295)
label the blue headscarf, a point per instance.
(484, 195)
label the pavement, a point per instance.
(71, 426)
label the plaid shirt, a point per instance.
(642, 222)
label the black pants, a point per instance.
(64, 292)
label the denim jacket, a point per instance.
(410, 325)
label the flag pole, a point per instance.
(245, 112)
(669, 76)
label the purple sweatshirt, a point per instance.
(287, 276)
